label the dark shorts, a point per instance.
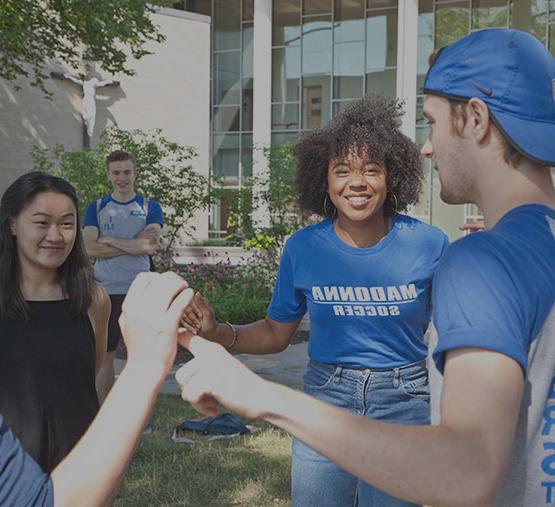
(114, 332)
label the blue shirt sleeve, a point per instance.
(288, 303)
(90, 217)
(154, 213)
(476, 303)
(22, 482)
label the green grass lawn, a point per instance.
(252, 470)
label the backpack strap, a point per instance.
(98, 203)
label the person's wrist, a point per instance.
(213, 334)
(146, 372)
(234, 335)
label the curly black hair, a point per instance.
(370, 126)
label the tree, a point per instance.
(165, 174)
(32, 32)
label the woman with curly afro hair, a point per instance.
(364, 275)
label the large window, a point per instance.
(232, 95)
(326, 53)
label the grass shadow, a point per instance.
(252, 470)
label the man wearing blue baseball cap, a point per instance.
(490, 100)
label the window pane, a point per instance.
(348, 30)
(246, 155)
(226, 119)
(348, 68)
(286, 22)
(347, 10)
(490, 13)
(227, 24)
(421, 134)
(316, 6)
(340, 106)
(420, 118)
(226, 157)
(377, 4)
(247, 104)
(285, 117)
(285, 138)
(226, 78)
(247, 50)
(425, 40)
(552, 39)
(452, 23)
(422, 208)
(248, 10)
(317, 46)
(530, 16)
(286, 71)
(316, 101)
(381, 39)
(382, 82)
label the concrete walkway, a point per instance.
(286, 368)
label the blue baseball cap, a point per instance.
(514, 74)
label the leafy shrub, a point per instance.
(165, 174)
(239, 294)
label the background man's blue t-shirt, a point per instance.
(121, 220)
(368, 307)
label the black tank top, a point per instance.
(47, 379)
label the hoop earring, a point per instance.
(395, 203)
(326, 205)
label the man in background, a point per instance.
(121, 230)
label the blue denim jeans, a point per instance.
(399, 395)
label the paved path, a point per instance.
(286, 368)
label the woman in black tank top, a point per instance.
(53, 319)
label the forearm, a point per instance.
(431, 465)
(102, 250)
(255, 338)
(129, 246)
(90, 473)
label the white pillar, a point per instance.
(262, 93)
(407, 43)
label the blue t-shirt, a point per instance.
(22, 482)
(121, 220)
(368, 307)
(495, 290)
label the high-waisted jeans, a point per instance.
(399, 395)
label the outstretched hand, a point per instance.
(150, 318)
(199, 317)
(214, 376)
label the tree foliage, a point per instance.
(165, 174)
(32, 32)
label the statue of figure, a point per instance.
(89, 85)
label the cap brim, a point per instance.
(534, 139)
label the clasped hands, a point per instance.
(155, 319)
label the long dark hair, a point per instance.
(74, 275)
